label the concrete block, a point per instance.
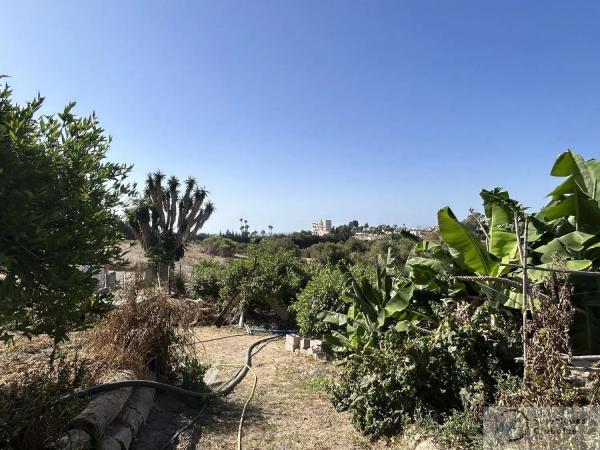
(292, 342)
(304, 343)
(316, 343)
(149, 274)
(306, 351)
(111, 279)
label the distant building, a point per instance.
(321, 227)
(421, 231)
(372, 234)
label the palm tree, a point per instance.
(263, 232)
(270, 230)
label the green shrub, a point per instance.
(322, 292)
(276, 243)
(205, 280)
(430, 370)
(59, 196)
(263, 279)
(327, 252)
(218, 246)
(368, 251)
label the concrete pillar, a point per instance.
(292, 342)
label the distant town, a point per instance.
(323, 227)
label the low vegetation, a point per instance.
(30, 415)
(149, 333)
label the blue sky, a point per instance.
(289, 111)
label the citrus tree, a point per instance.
(58, 219)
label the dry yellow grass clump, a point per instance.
(148, 332)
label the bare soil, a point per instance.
(134, 253)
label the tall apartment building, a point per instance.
(321, 227)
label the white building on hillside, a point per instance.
(321, 227)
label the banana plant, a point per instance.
(568, 227)
(373, 309)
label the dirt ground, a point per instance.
(288, 411)
(134, 253)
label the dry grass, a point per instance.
(289, 410)
(29, 415)
(148, 332)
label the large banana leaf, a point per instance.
(583, 175)
(498, 199)
(579, 194)
(548, 251)
(538, 276)
(333, 317)
(576, 241)
(593, 251)
(400, 298)
(337, 340)
(566, 246)
(465, 247)
(503, 243)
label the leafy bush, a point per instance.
(58, 225)
(322, 292)
(218, 246)
(430, 370)
(366, 252)
(275, 243)
(205, 280)
(327, 252)
(373, 309)
(263, 279)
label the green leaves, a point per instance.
(374, 308)
(579, 195)
(333, 317)
(466, 248)
(59, 195)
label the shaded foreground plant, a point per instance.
(58, 220)
(30, 416)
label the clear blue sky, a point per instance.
(289, 111)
